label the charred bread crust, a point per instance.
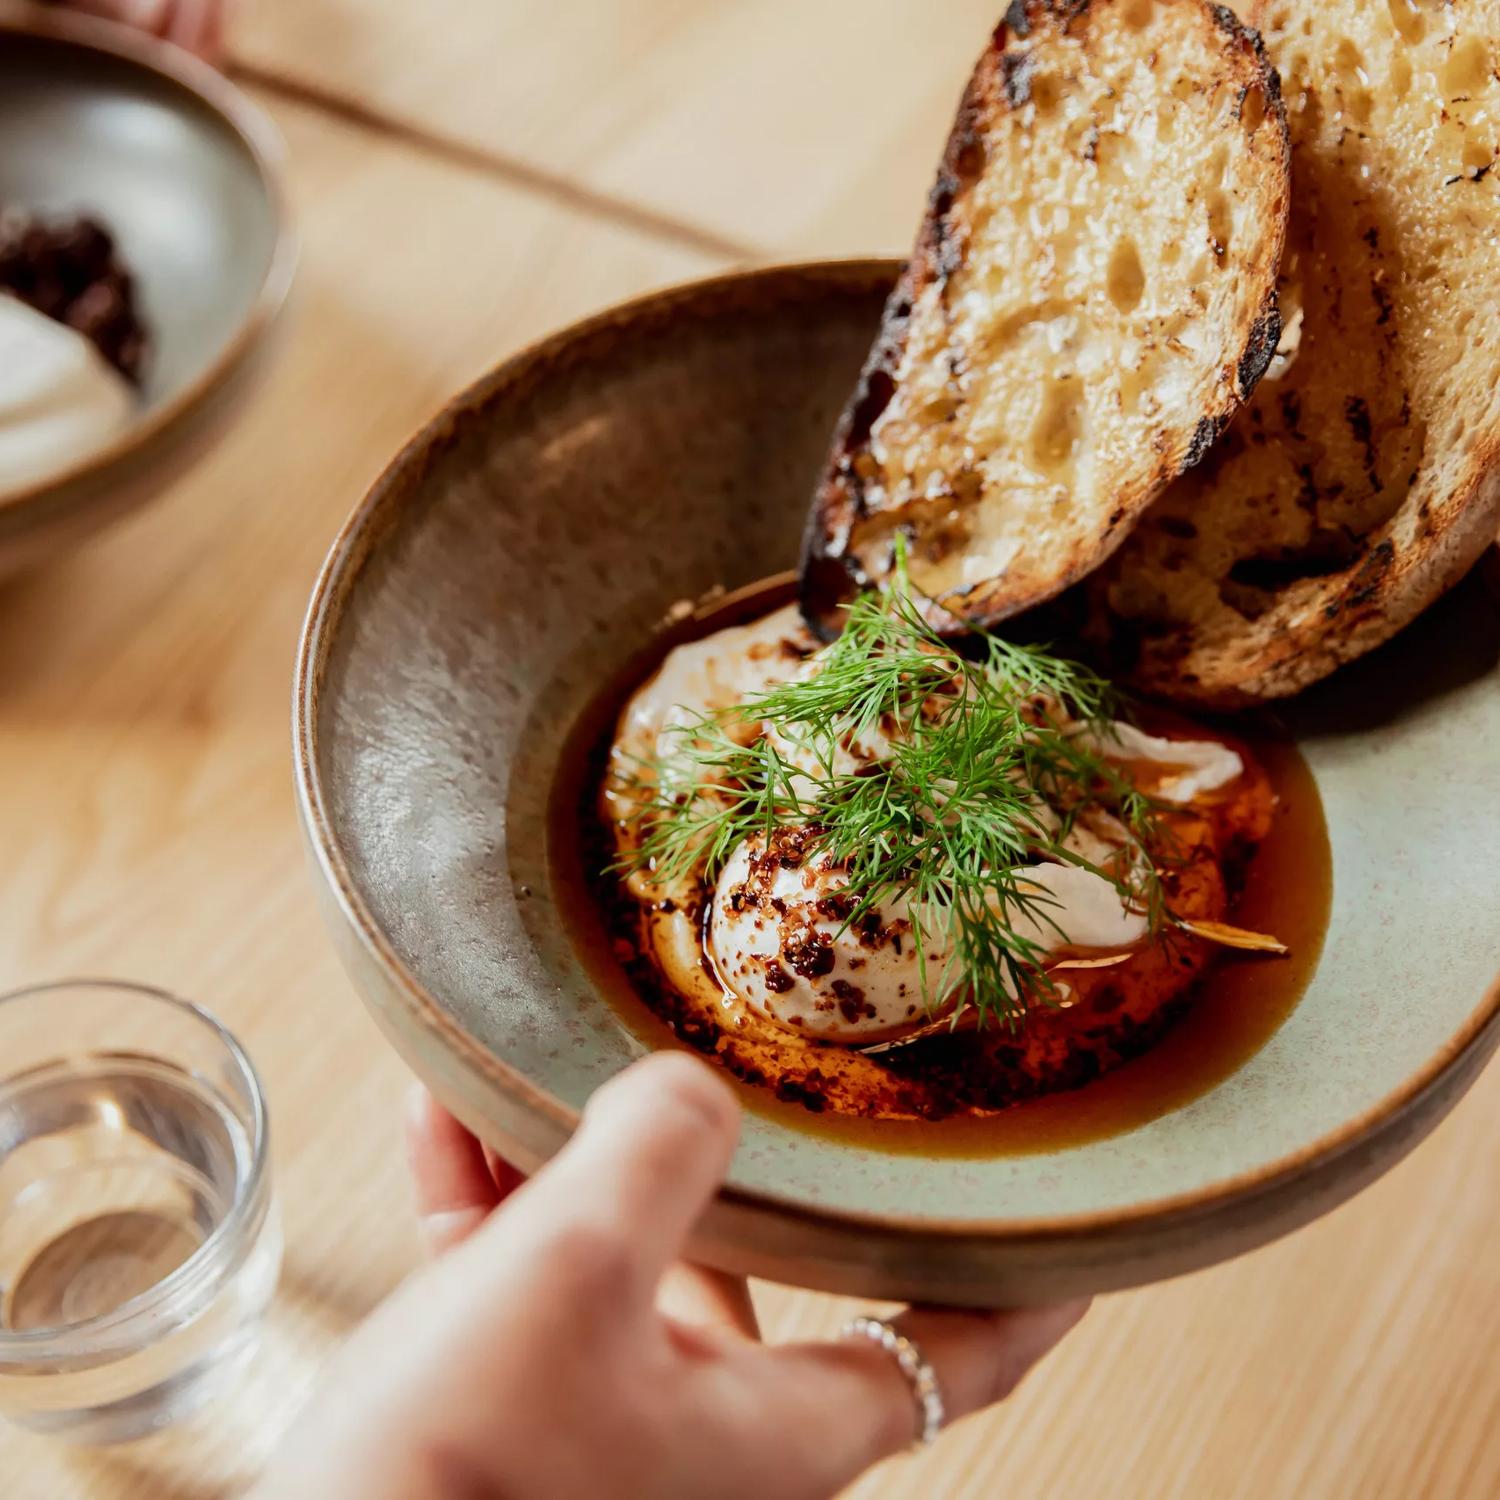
(1360, 608)
(830, 577)
(831, 572)
(1386, 434)
(1260, 349)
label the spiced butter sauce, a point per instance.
(1218, 1020)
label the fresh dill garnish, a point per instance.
(981, 771)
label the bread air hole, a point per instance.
(1407, 19)
(1467, 70)
(1349, 64)
(1220, 221)
(1045, 92)
(1436, 268)
(1400, 79)
(1125, 281)
(1059, 427)
(1477, 156)
(1137, 13)
(1050, 320)
(1353, 82)
(1252, 110)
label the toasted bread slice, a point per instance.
(1090, 299)
(1351, 492)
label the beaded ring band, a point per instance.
(920, 1375)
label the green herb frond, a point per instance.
(945, 821)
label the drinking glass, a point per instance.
(139, 1246)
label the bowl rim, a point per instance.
(352, 548)
(252, 127)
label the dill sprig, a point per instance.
(977, 777)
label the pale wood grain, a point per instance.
(150, 832)
(792, 128)
(144, 748)
(787, 127)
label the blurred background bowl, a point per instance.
(510, 565)
(183, 170)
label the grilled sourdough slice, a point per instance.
(1090, 298)
(1350, 493)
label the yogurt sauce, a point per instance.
(775, 933)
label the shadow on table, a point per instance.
(233, 1437)
(335, 1308)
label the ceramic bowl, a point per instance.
(184, 169)
(520, 551)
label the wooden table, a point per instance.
(467, 176)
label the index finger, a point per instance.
(617, 1203)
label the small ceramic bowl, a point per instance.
(184, 170)
(516, 556)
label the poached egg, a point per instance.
(779, 939)
(776, 935)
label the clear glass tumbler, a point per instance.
(139, 1247)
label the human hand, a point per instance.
(554, 1348)
(197, 25)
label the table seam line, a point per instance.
(515, 172)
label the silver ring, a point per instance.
(913, 1364)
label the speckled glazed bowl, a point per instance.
(522, 549)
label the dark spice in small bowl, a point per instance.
(69, 269)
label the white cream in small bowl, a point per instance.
(60, 400)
